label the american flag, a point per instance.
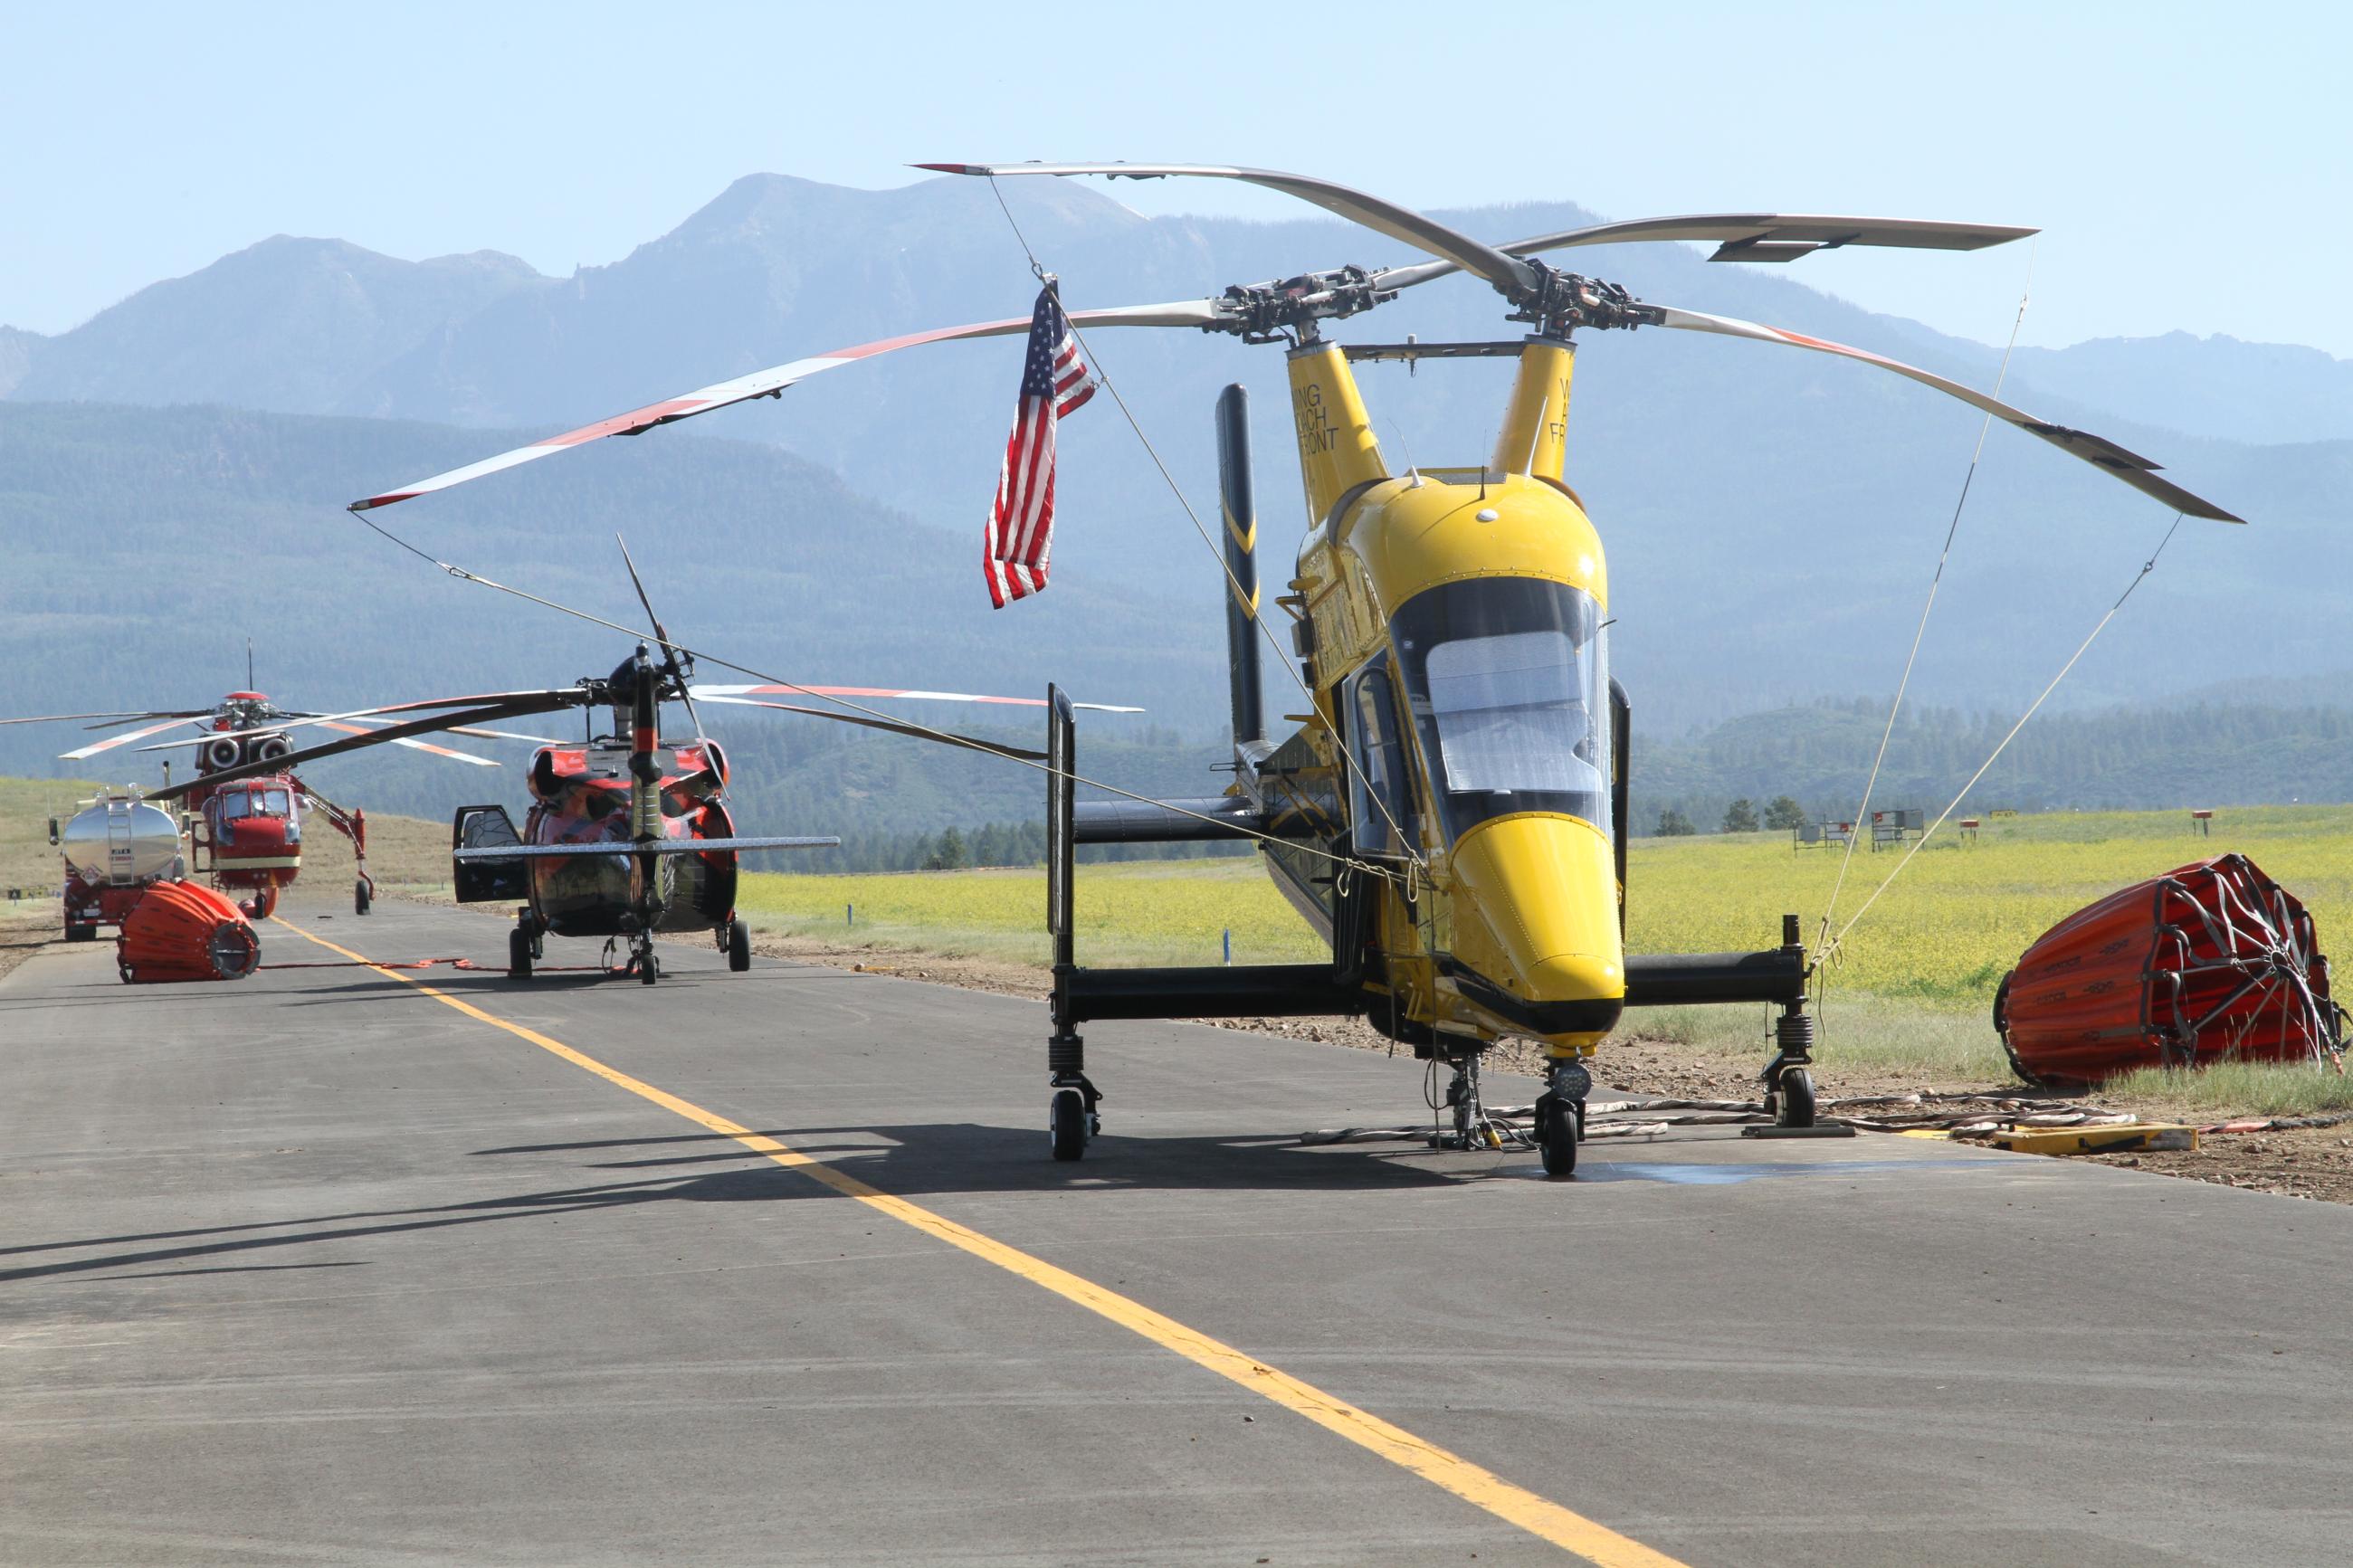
(1055, 381)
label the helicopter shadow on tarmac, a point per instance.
(929, 1159)
(933, 1158)
(496, 981)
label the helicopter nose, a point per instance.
(1576, 976)
(1545, 888)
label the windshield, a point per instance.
(1508, 679)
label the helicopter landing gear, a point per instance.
(1561, 1115)
(1070, 1117)
(363, 895)
(736, 942)
(1071, 1109)
(641, 962)
(1789, 1086)
(1472, 1128)
(525, 944)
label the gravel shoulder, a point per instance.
(22, 936)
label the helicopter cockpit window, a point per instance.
(270, 802)
(1509, 683)
(1380, 802)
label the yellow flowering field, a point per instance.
(1951, 925)
(1139, 912)
(1941, 936)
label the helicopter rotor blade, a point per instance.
(1508, 273)
(415, 744)
(1739, 236)
(109, 720)
(546, 702)
(943, 737)
(505, 735)
(1743, 236)
(126, 737)
(573, 696)
(772, 381)
(2130, 467)
(713, 693)
(661, 634)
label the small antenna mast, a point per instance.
(249, 664)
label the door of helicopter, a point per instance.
(486, 881)
(1384, 822)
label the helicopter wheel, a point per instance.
(739, 946)
(1559, 1124)
(1071, 1123)
(360, 898)
(1794, 1104)
(518, 953)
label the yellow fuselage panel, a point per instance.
(1544, 889)
(1403, 536)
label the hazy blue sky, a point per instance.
(2191, 164)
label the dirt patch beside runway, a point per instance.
(22, 936)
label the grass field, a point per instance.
(1911, 992)
(1951, 926)
(1941, 937)
(1139, 912)
(29, 863)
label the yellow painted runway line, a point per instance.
(1482, 1487)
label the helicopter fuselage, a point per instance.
(1452, 630)
(581, 795)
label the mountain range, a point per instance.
(171, 470)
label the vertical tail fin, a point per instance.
(1240, 509)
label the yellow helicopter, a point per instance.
(1452, 811)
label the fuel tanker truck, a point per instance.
(126, 866)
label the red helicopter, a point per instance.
(246, 833)
(627, 836)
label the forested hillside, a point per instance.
(2203, 754)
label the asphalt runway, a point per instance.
(320, 1268)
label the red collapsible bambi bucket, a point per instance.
(2214, 961)
(178, 931)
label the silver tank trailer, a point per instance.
(119, 841)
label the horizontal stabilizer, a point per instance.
(1167, 822)
(1687, 979)
(622, 847)
(1236, 991)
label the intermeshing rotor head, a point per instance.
(1289, 310)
